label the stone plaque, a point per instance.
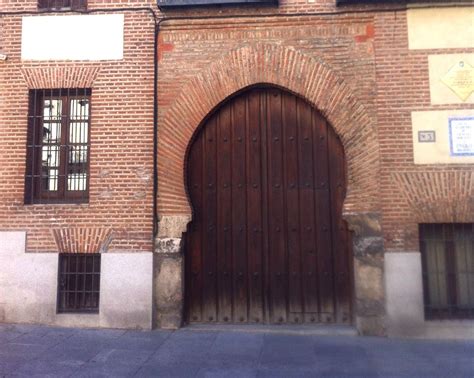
(426, 136)
(81, 37)
(461, 136)
(460, 79)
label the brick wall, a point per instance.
(121, 136)
(412, 193)
(367, 51)
(285, 52)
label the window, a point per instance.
(62, 4)
(447, 252)
(194, 3)
(57, 168)
(79, 282)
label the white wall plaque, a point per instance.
(432, 142)
(76, 37)
(461, 136)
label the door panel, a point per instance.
(266, 178)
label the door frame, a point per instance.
(266, 306)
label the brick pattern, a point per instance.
(411, 193)
(438, 196)
(369, 55)
(319, 81)
(83, 240)
(357, 69)
(121, 157)
(71, 76)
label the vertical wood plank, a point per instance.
(307, 208)
(278, 263)
(291, 160)
(323, 226)
(224, 215)
(254, 206)
(266, 186)
(239, 210)
(209, 250)
(194, 234)
(339, 230)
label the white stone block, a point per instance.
(126, 290)
(28, 281)
(73, 37)
(404, 293)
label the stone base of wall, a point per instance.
(168, 283)
(368, 271)
(368, 251)
(28, 288)
(403, 284)
(405, 306)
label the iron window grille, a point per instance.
(78, 283)
(57, 167)
(447, 251)
(62, 4)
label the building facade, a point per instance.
(299, 162)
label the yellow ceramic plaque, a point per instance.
(460, 79)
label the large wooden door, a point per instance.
(266, 179)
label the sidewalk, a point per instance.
(198, 352)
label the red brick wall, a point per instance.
(202, 51)
(412, 194)
(121, 158)
(369, 51)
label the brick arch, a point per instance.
(310, 78)
(62, 76)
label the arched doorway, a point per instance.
(266, 179)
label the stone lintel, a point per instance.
(365, 224)
(173, 226)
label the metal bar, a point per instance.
(84, 298)
(444, 235)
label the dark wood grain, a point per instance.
(266, 177)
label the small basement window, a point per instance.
(447, 251)
(78, 283)
(62, 4)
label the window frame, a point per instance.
(448, 275)
(55, 5)
(67, 301)
(34, 191)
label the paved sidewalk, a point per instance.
(190, 352)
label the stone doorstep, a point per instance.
(308, 330)
(435, 330)
(449, 329)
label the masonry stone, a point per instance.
(168, 290)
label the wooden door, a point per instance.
(266, 179)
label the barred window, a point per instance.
(78, 282)
(447, 252)
(62, 4)
(57, 167)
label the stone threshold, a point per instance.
(284, 329)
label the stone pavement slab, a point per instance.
(234, 352)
